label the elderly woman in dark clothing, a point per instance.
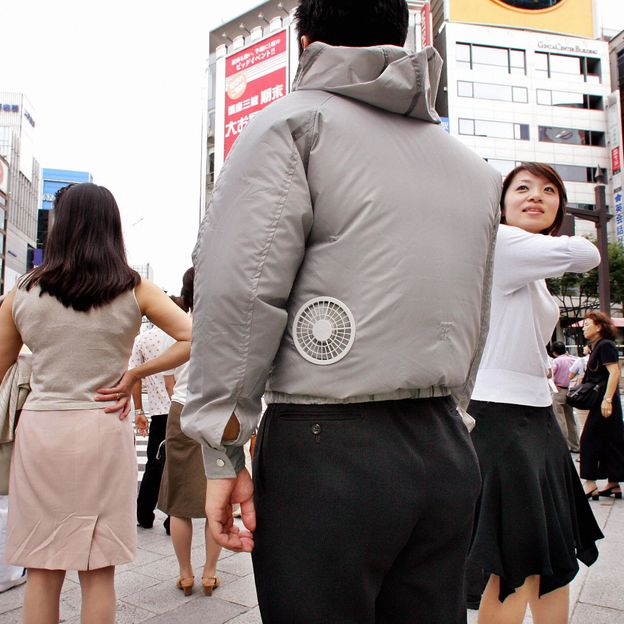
(602, 441)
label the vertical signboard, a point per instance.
(426, 28)
(614, 144)
(255, 76)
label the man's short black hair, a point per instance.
(558, 348)
(353, 23)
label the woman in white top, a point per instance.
(533, 520)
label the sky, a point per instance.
(116, 86)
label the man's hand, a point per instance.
(221, 494)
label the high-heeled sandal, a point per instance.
(209, 583)
(186, 585)
(593, 494)
(612, 490)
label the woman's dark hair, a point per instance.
(605, 324)
(85, 262)
(545, 171)
(353, 23)
(186, 294)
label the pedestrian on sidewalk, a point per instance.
(602, 440)
(533, 521)
(340, 273)
(562, 363)
(149, 345)
(183, 487)
(72, 491)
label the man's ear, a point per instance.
(305, 41)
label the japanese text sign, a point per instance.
(254, 77)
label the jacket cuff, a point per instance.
(224, 463)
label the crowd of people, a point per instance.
(380, 287)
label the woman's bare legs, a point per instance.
(182, 538)
(98, 596)
(213, 550)
(511, 611)
(552, 608)
(42, 597)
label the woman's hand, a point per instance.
(606, 408)
(121, 393)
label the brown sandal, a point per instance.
(186, 585)
(209, 583)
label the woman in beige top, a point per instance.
(73, 476)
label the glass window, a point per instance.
(541, 62)
(520, 94)
(503, 166)
(499, 129)
(572, 136)
(592, 73)
(517, 62)
(462, 52)
(488, 56)
(571, 173)
(567, 98)
(466, 126)
(544, 97)
(488, 91)
(464, 89)
(560, 64)
(521, 132)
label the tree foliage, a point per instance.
(577, 293)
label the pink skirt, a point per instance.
(72, 491)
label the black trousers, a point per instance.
(364, 513)
(602, 444)
(150, 484)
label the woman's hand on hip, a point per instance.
(121, 393)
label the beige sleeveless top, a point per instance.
(74, 353)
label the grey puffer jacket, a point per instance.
(345, 189)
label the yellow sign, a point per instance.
(569, 17)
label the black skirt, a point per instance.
(532, 517)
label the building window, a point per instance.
(503, 166)
(575, 173)
(489, 91)
(571, 136)
(471, 56)
(565, 67)
(569, 99)
(495, 129)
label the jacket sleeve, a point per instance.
(522, 257)
(250, 247)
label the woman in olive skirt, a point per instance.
(183, 486)
(533, 521)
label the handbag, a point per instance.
(585, 395)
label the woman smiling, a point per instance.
(533, 521)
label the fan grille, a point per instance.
(323, 330)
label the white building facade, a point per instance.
(513, 95)
(17, 141)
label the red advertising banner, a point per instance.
(616, 164)
(254, 77)
(426, 38)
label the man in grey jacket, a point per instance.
(343, 271)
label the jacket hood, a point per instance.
(387, 77)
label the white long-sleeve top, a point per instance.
(524, 313)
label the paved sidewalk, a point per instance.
(146, 588)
